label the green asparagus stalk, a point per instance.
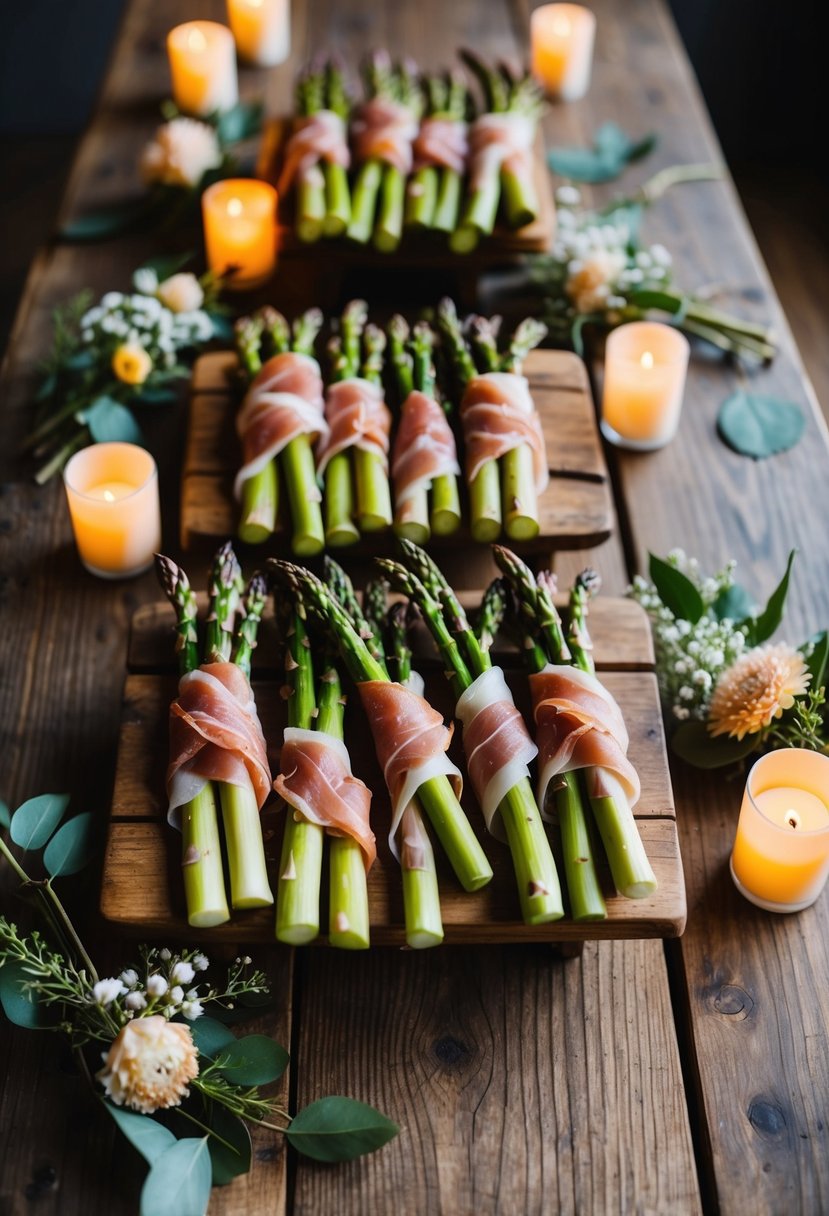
(450, 182)
(518, 489)
(535, 871)
(491, 613)
(297, 460)
(310, 191)
(260, 493)
(344, 350)
(201, 853)
(412, 519)
(370, 475)
(337, 191)
(445, 507)
(389, 227)
(380, 82)
(422, 189)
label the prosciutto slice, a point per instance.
(500, 141)
(284, 400)
(496, 743)
(424, 447)
(498, 415)
(442, 142)
(317, 782)
(316, 137)
(356, 415)
(384, 130)
(411, 742)
(215, 735)
(580, 726)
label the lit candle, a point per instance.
(203, 67)
(112, 490)
(644, 379)
(561, 37)
(240, 230)
(781, 852)
(262, 29)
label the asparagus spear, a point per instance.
(379, 82)
(412, 520)
(535, 870)
(433, 194)
(260, 493)
(450, 184)
(518, 489)
(310, 190)
(370, 476)
(204, 884)
(344, 350)
(491, 613)
(337, 192)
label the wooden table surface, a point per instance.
(636, 1078)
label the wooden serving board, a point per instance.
(142, 889)
(416, 246)
(575, 511)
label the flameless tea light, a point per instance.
(781, 852)
(202, 58)
(262, 29)
(561, 37)
(240, 230)
(644, 379)
(112, 491)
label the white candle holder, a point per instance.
(112, 492)
(644, 381)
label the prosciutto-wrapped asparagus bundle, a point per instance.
(441, 148)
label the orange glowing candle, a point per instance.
(644, 379)
(240, 230)
(561, 37)
(780, 859)
(112, 491)
(262, 29)
(202, 58)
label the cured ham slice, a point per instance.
(356, 415)
(443, 142)
(500, 141)
(215, 735)
(384, 130)
(316, 137)
(498, 415)
(580, 726)
(424, 447)
(317, 782)
(496, 743)
(284, 400)
(411, 741)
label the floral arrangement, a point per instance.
(726, 690)
(146, 1043)
(601, 273)
(128, 349)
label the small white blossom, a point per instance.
(182, 973)
(106, 991)
(568, 196)
(129, 978)
(165, 955)
(145, 280)
(156, 985)
(135, 1001)
(192, 1010)
(201, 962)
(661, 255)
(112, 299)
(176, 994)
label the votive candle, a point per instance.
(644, 380)
(240, 230)
(780, 859)
(112, 491)
(561, 37)
(262, 29)
(202, 58)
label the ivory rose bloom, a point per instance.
(182, 151)
(149, 1065)
(181, 293)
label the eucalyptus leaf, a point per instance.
(253, 1060)
(228, 1163)
(818, 659)
(144, 1133)
(759, 426)
(71, 847)
(179, 1182)
(5, 815)
(47, 386)
(34, 822)
(167, 265)
(759, 628)
(111, 422)
(241, 122)
(210, 1036)
(222, 326)
(339, 1129)
(106, 222)
(20, 1007)
(677, 592)
(733, 602)
(612, 150)
(692, 743)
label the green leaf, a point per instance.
(733, 602)
(72, 846)
(649, 297)
(339, 1129)
(111, 422)
(677, 592)
(818, 659)
(612, 150)
(167, 265)
(156, 396)
(242, 122)
(228, 1163)
(5, 815)
(692, 743)
(179, 1182)
(210, 1036)
(109, 221)
(22, 1008)
(253, 1060)
(759, 628)
(34, 822)
(759, 426)
(144, 1133)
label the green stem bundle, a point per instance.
(323, 197)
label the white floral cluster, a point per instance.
(690, 657)
(595, 261)
(159, 318)
(162, 989)
(180, 153)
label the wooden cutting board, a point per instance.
(575, 512)
(142, 890)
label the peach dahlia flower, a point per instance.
(757, 689)
(149, 1065)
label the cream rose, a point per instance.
(181, 293)
(149, 1065)
(181, 153)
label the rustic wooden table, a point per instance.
(635, 1078)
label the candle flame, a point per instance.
(196, 41)
(647, 359)
(792, 819)
(255, 3)
(234, 206)
(560, 25)
(109, 496)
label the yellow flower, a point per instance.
(131, 363)
(757, 689)
(149, 1065)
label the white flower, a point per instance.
(176, 994)
(192, 1010)
(589, 281)
(182, 151)
(112, 299)
(568, 196)
(135, 1001)
(661, 255)
(201, 962)
(145, 280)
(165, 955)
(129, 978)
(149, 1065)
(156, 985)
(106, 991)
(182, 973)
(181, 293)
